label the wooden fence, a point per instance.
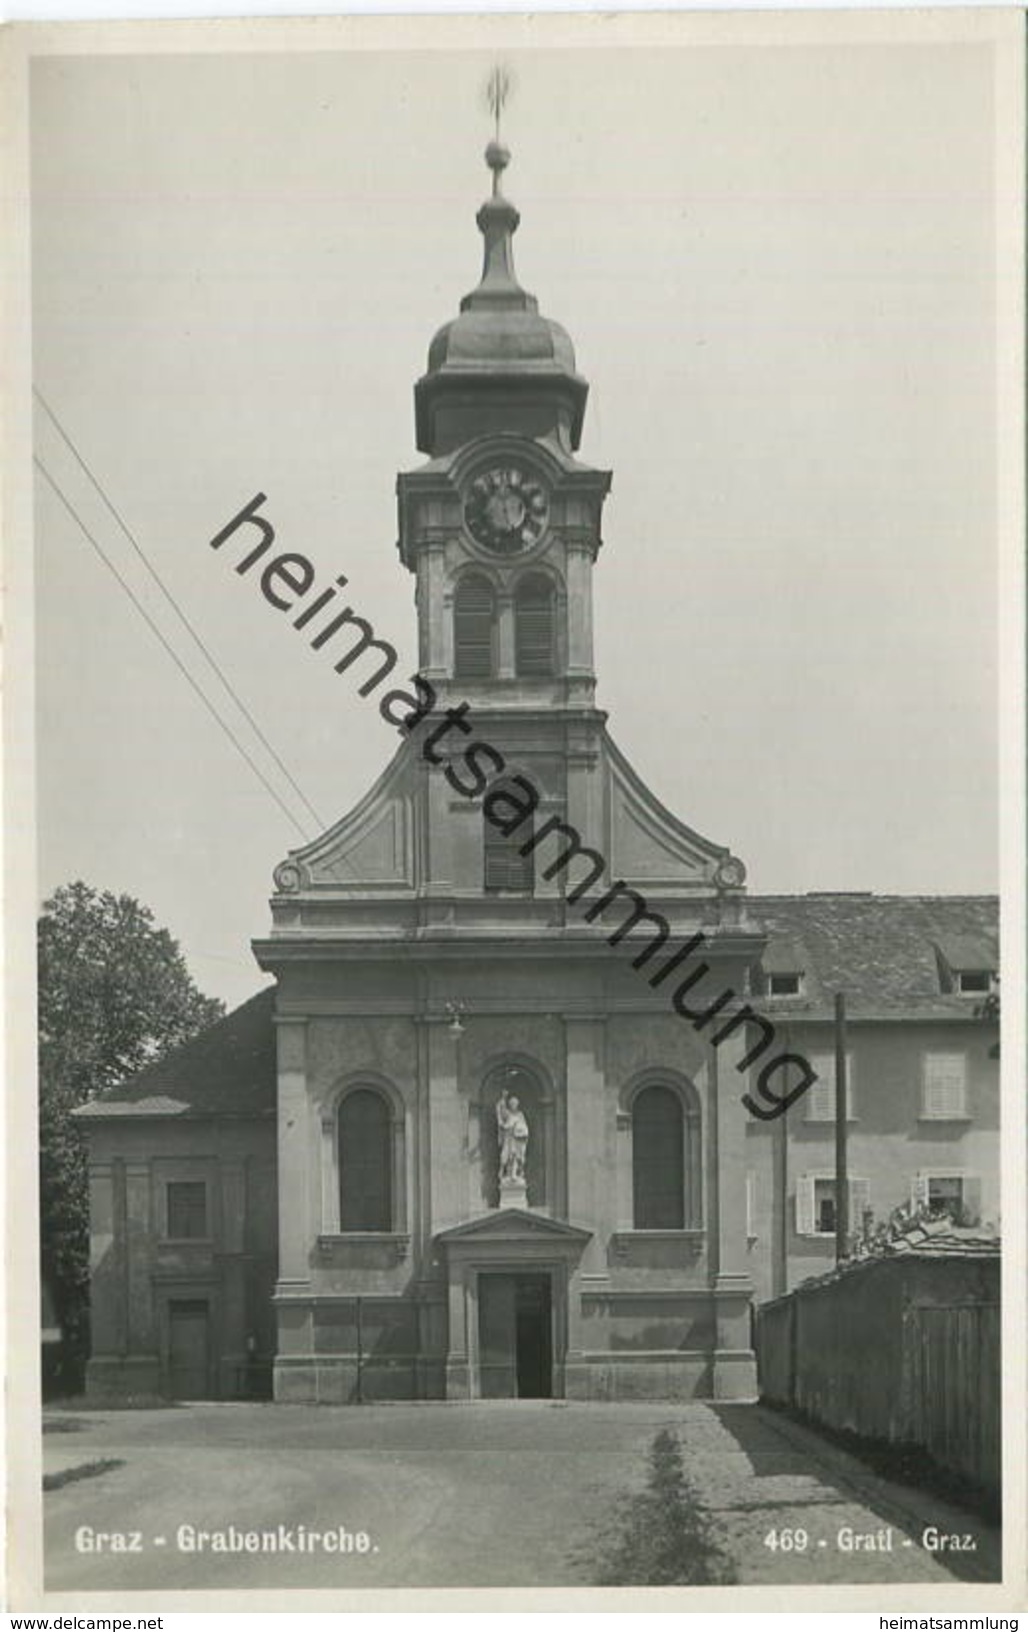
(951, 1372)
(903, 1349)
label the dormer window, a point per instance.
(784, 983)
(967, 966)
(974, 982)
(781, 971)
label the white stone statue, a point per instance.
(512, 1128)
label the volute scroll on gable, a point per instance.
(370, 848)
(649, 846)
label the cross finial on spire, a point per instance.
(497, 91)
(498, 88)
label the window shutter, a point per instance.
(944, 1085)
(474, 620)
(860, 1200)
(805, 1205)
(821, 1098)
(919, 1190)
(972, 1198)
(533, 628)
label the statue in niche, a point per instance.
(512, 1129)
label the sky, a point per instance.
(776, 259)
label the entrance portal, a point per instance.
(515, 1336)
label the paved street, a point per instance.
(498, 1494)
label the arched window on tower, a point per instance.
(535, 651)
(365, 1162)
(658, 1160)
(474, 630)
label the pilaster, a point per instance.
(437, 859)
(462, 1310)
(579, 566)
(329, 1210)
(727, 1086)
(139, 1233)
(589, 1178)
(446, 1116)
(734, 1363)
(295, 1232)
(435, 622)
(233, 1274)
(106, 1267)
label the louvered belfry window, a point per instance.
(534, 632)
(505, 867)
(474, 630)
(365, 1162)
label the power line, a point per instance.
(144, 614)
(176, 608)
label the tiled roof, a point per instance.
(881, 950)
(228, 1070)
(942, 1239)
(934, 1238)
(115, 1102)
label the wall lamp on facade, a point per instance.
(455, 1008)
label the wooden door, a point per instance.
(534, 1338)
(497, 1336)
(189, 1350)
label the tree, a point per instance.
(114, 996)
(989, 1009)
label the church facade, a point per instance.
(486, 1135)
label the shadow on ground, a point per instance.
(778, 1443)
(84, 1470)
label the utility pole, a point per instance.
(780, 1195)
(842, 1209)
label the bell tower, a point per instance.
(501, 527)
(472, 1005)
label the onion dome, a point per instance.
(500, 365)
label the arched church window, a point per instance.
(658, 1160)
(365, 1162)
(534, 627)
(474, 630)
(505, 867)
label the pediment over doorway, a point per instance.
(508, 1225)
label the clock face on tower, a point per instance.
(506, 509)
